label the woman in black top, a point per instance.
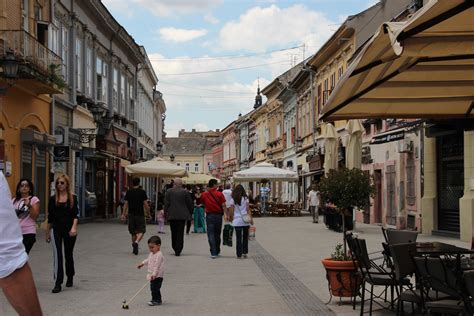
(62, 220)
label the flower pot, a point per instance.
(343, 279)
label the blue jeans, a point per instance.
(214, 228)
(242, 238)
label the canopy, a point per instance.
(330, 148)
(354, 144)
(421, 68)
(156, 167)
(265, 171)
(197, 178)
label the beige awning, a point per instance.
(421, 68)
(156, 167)
(197, 178)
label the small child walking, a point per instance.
(156, 266)
(160, 219)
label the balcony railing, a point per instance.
(29, 51)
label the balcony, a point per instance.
(39, 67)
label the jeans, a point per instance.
(242, 236)
(214, 228)
(155, 286)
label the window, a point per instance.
(88, 71)
(64, 51)
(320, 98)
(54, 38)
(187, 166)
(390, 175)
(79, 64)
(123, 80)
(131, 97)
(101, 73)
(278, 130)
(326, 91)
(196, 167)
(333, 82)
(340, 72)
(379, 125)
(411, 187)
(115, 90)
(178, 164)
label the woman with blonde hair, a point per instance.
(62, 221)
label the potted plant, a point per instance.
(345, 189)
(341, 273)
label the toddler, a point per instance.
(160, 219)
(156, 265)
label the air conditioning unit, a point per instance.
(405, 146)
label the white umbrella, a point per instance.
(198, 178)
(354, 144)
(265, 171)
(156, 167)
(330, 148)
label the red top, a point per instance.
(210, 202)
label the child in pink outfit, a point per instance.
(160, 219)
(156, 265)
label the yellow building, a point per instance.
(259, 116)
(25, 106)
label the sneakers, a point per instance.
(56, 289)
(154, 303)
(135, 248)
(213, 257)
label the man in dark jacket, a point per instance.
(178, 209)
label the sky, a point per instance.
(211, 55)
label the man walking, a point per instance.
(313, 202)
(135, 206)
(178, 209)
(264, 195)
(215, 207)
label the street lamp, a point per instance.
(172, 157)
(10, 66)
(97, 112)
(159, 146)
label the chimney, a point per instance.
(217, 130)
(193, 130)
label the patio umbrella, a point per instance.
(330, 148)
(265, 171)
(197, 178)
(156, 167)
(420, 68)
(354, 144)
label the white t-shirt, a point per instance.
(313, 198)
(239, 211)
(228, 196)
(12, 252)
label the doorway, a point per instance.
(378, 196)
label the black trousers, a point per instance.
(177, 235)
(155, 286)
(188, 226)
(242, 237)
(28, 241)
(58, 239)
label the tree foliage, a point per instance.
(347, 188)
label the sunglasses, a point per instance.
(24, 185)
(60, 182)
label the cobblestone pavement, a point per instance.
(282, 276)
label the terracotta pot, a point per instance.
(344, 281)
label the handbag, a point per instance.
(246, 218)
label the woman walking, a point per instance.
(27, 207)
(62, 220)
(240, 206)
(199, 219)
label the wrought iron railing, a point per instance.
(28, 50)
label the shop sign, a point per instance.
(388, 137)
(61, 153)
(315, 163)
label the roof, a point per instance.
(187, 145)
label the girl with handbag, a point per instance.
(242, 220)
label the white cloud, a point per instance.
(260, 29)
(211, 19)
(172, 34)
(172, 7)
(124, 7)
(201, 127)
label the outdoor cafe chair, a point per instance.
(396, 236)
(374, 275)
(438, 274)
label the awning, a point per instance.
(421, 68)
